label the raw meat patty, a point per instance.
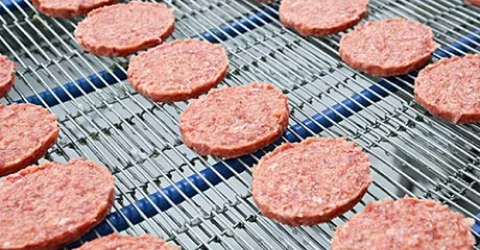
(405, 224)
(48, 206)
(388, 47)
(322, 17)
(311, 182)
(69, 8)
(122, 242)
(123, 29)
(235, 121)
(7, 75)
(26, 133)
(450, 89)
(179, 70)
(474, 2)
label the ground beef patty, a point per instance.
(474, 2)
(311, 182)
(322, 17)
(123, 29)
(70, 8)
(388, 47)
(405, 224)
(179, 70)
(450, 89)
(122, 242)
(7, 75)
(235, 121)
(26, 133)
(48, 206)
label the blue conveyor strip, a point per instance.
(10, 4)
(74, 89)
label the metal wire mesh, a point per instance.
(104, 120)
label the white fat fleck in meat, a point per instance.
(317, 199)
(6, 244)
(313, 182)
(243, 127)
(273, 166)
(64, 221)
(285, 187)
(186, 69)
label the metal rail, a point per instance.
(205, 203)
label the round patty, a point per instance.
(388, 47)
(121, 242)
(48, 206)
(70, 8)
(450, 89)
(405, 224)
(322, 17)
(26, 133)
(7, 75)
(234, 121)
(311, 182)
(123, 29)
(179, 70)
(474, 2)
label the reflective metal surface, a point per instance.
(103, 119)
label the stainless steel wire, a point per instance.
(412, 153)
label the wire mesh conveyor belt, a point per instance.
(165, 189)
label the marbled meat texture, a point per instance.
(322, 17)
(450, 89)
(388, 47)
(311, 182)
(123, 242)
(70, 8)
(123, 29)
(49, 206)
(179, 70)
(405, 224)
(27, 131)
(234, 121)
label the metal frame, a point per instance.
(205, 203)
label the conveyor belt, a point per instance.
(165, 189)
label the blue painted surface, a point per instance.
(10, 4)
(476, 227)
(71, 90)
